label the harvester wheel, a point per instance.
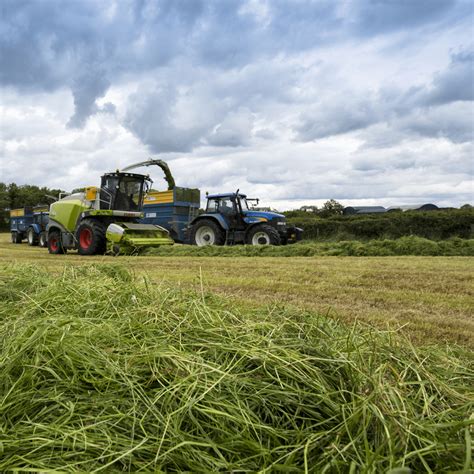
(207, 232)
(55, 245)
(263, 234)
(91, 238)
(43, 241)
(31, 237)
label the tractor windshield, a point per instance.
(244, 204)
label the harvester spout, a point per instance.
(162, 164)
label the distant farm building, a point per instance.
(349, 211)
(356, 210)
(414, 207)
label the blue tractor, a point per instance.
(230, 220)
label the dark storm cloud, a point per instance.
(86, 46)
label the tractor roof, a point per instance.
(224, 195)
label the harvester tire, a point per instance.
(43, 241)
(55, 245)
(31, 237)
(207, 232)
(263, 234)
(91, 238)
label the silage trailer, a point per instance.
(29, 223)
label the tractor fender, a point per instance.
(252, 226)
(36, 228)
(215, 217)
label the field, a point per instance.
(429, 299)
(235, 364)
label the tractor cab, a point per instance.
(123, 191)
(227, 204)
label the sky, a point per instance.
(295, 102)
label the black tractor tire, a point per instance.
(90, 235)
(55, 244)
(31, 237)
(16, 238)
(43, 241)
(207, 232)
(263, 234)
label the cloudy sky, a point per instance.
(363, 101)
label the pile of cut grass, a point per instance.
(101, 371)
(411, 245)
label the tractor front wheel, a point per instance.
(263, 235)
(43, 241)
(207, 232)
(55, 245)
(91, 238)
(31, 237)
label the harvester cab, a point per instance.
(231, 219)
(103, 219)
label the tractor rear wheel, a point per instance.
(207, 232)
(91, 238)
(31, 237)
(263, 234)
(16, 238)
(55, 245)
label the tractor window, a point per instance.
(221, 205)
(226, 206)
(212, 205)
(244, 204)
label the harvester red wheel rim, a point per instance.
(53, 243)
(85, 238)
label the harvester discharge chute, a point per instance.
(105, 219)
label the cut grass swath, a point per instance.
(410, 245)
(101, 372)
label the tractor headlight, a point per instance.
(281, 223)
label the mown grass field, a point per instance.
(431, 299)
(184, 363)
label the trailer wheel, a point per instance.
(263, 235)
(43, 241)
(16, 238)
(207, 232)
(55, 245)
(91, 238)
(31, 237)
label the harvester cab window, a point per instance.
(129, 194)
(107, 191)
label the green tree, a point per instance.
(331, 208)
